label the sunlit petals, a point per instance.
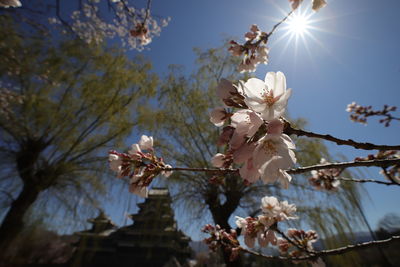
(318, 4)
(295, 3)
(218, 116)
(269, 97)
(249, 172)
(218, 160)
(146, 143)
(10, 3)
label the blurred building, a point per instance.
(151, 240)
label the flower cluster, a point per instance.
(361, 113)
(382, 154)
(316, 4)
(220, 238)
(262, 227)
(140, 164)
(10, 3)
(298, 242)
(391, 173)
(253, 51)
(255, 132)
(325, 179)
(135, 27)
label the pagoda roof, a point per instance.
(102, 218)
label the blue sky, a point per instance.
(352, 55)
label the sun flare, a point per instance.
(298, 24)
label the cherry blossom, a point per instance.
(218, 116)
(325, 179)
(268, 97)
(220, 238)
(146, 142)
(295, 3)
(318, 4)
(134, 27)
(272, 155)
(220, 160)
(262, 227)
(10, 3)
(140, 165)
(167, 174)
(231, 95)
(246, 124)
(253, 229)
(254, 51)
(297, 243)
(275, 211)
(115, 163)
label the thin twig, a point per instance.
(339, 165)
(342, 165)
(328, 252)
(279, 23)
(215, 170)
(366, 181)
(349, 142)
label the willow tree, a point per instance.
(63, 104)
(182, 125)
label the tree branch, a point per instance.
(339, 165)
(349, 142)
(342, 165)
(328, 252)
(366, 181)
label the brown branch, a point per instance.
(279, 23)
(366, 181)
(216, 170)
(328, 252)
(349, 142)
(341, 165)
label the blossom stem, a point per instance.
(349, 142)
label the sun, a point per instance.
(298, 24)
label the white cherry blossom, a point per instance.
(269, 97)
(318, 4)
(218, 116)
(272, 155)
(115, 163)
(218, 160)
(10, 3)
(146, 142)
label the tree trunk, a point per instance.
(13, 222)
(221, 215)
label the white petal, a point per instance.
(146, 142)
(218, 160)
(218, 116)
(134, 149)
(254, 88)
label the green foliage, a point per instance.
(78, 101)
